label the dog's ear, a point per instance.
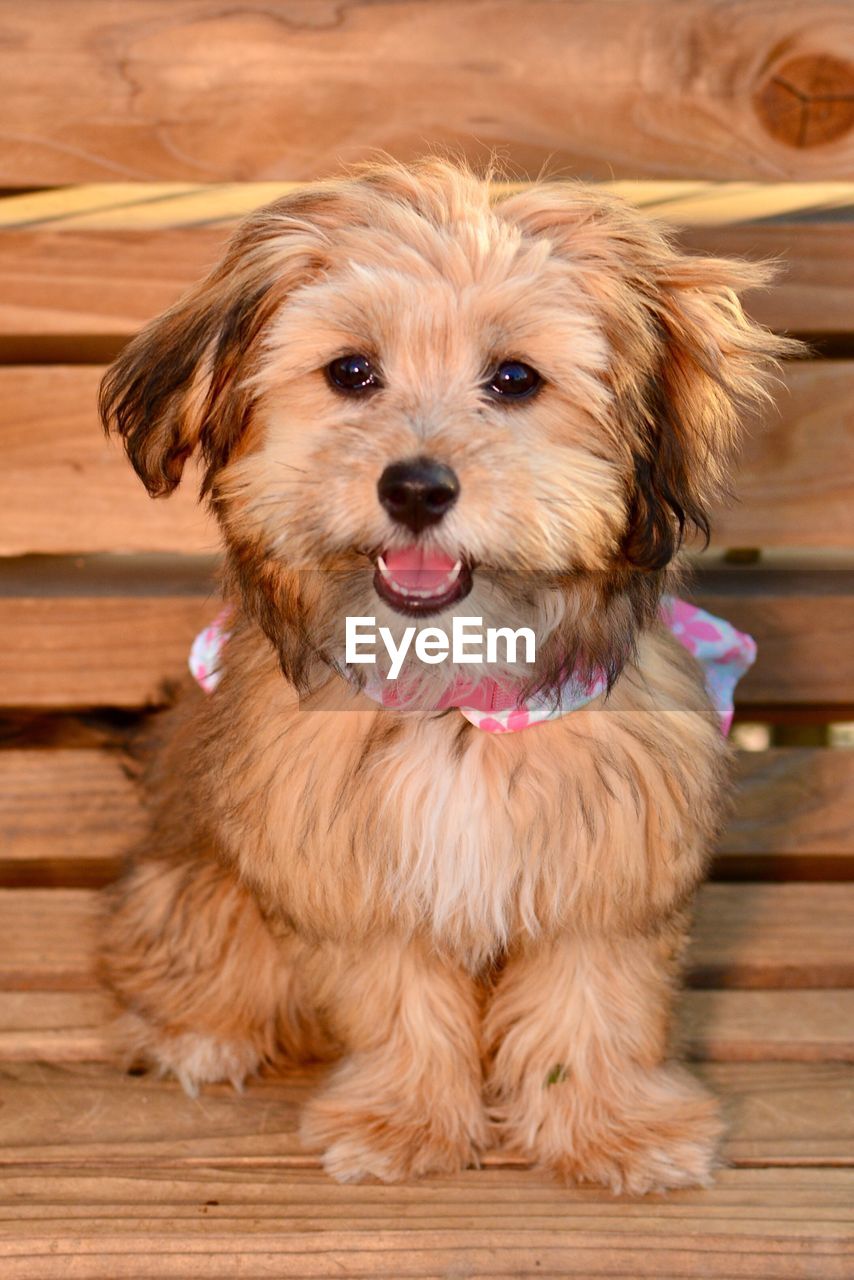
(686, 362)
(712, 365)
(180, 383)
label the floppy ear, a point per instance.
(687, 363)
(712, 366)
(179, 384)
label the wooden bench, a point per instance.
(107, 1174)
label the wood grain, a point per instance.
(68, 815)
(714, 1026)
(65, 489)
(163, 206)
(68, 1113)
(773, 935)
(113, 651)
(781, 1026)
(793, 801)
(98, 636)
(801, 622)
(814, 289)
(789, 481)
(498, 1224)
(50, 1026)
(187, 90)
(85, 292)
(48, 939)
(65, 815)
(746, 935)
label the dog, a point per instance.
(418, 396)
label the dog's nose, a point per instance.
(419, 492)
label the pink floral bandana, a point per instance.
(723, 652)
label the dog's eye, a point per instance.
(352, 373)
(513, 380)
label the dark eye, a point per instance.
(353, 373)
(513, 380)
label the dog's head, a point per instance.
(414, 398)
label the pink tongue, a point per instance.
(417, 569)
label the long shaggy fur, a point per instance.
(484, 930)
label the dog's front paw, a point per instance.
(192, 1058)
(365, 1134)
(659, 1131)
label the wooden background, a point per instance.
(133, 136)
(189, 90)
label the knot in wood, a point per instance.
(807, 101)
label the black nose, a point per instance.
(418, 493)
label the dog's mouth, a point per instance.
(416, 581)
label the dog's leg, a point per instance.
(407, 1100)
(208, 992)
(577, 1030)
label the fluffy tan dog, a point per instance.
(536, 394)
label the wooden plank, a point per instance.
(112, 651)
(61, 810)
(64, 488)
(752, 936)
(714, 1026)
(499, 1223)
(67, 488)
(773, 935)
(795, 665)
(84, 292)
(48, 939)
(780, 1113)
(60, 283)
(66, 815)
(784, 1026)
(149, 92)
(109, 633)
(788, 486)
(814, 292)
(51, 1026)
(793, 800)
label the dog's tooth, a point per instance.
(381, 565)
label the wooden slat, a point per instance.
(48, 939)
(68, 647)
(67, 488)
(761, 935)
(113, 651)
(814, 291)
(67, 815)
(51, 1026)
(714, 1026)
(150, 92)
(793, 799)
(501, 1224)
(85, 292)
(64, 488)
(773, 935)
(751, 1026)
(802, 623)
(779, 1113)
(788, 485)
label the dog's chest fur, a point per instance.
(346, 822)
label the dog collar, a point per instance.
(724, 654)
